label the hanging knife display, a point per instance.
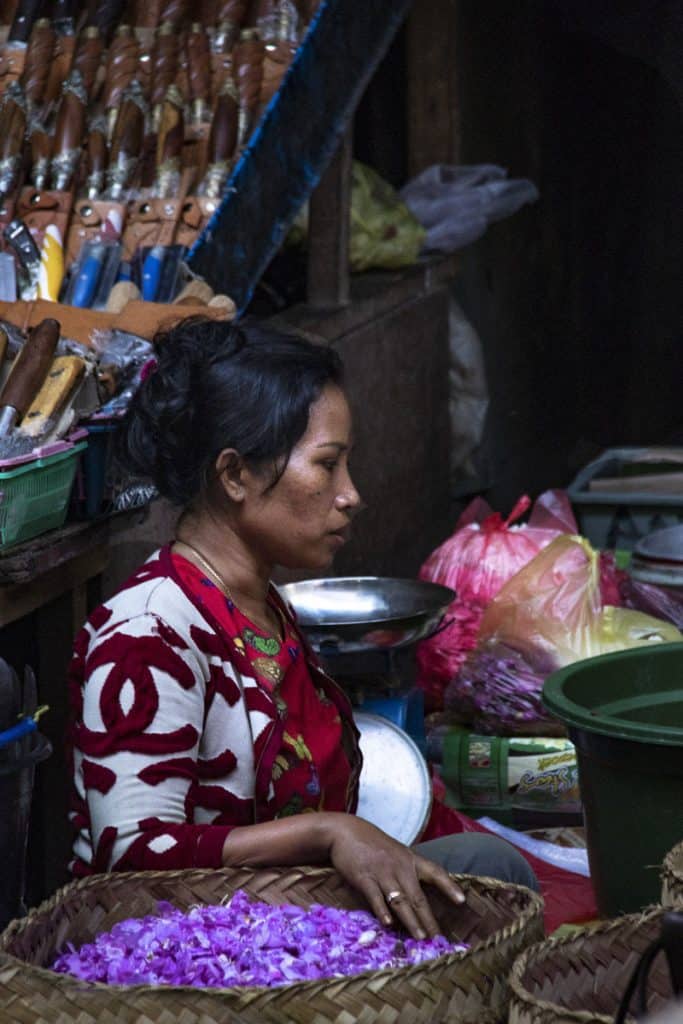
(98, 218)
(127, 123)
(46, 212)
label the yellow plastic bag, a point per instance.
(551, 611)
(383, 234)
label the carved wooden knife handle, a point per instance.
(199, 69)
(88, 57)
(166, 52)
(122, 62)
(38, 60)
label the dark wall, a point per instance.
(578, 299)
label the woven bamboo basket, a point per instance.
(582, 978)
(497, 920)
(672, 878)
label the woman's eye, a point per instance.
(330, 465)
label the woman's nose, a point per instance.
(348, 498)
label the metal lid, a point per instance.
(395, 788)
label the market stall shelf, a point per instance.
(497, 921)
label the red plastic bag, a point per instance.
(476, 561)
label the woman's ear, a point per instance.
(230, 473)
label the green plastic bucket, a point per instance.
(625, 716)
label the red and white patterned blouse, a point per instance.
(188, 721)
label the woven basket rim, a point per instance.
(549, 947)
(16, 927)
(673, 862)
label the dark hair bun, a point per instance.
(221, 385)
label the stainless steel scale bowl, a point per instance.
(356, 614)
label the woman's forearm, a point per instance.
(299, 839)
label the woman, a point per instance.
(204, 730)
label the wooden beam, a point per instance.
(328, 233)
(431, 67)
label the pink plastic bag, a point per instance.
(486, 550)
(476, 561)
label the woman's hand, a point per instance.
(389, 874)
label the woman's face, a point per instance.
(305, 518)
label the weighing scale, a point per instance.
(364, 629)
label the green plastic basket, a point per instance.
(34, 496)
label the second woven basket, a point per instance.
(581, 979)
(672, 878)
(497, 921)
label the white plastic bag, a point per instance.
(456, 204)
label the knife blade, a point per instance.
(28, 373)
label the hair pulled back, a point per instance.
(221, 385)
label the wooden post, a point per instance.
(433, 115)
(328, 232)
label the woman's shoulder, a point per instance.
(151, 597)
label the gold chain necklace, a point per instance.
(222, 585)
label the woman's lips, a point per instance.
(340, 536)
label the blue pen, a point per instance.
(125, 271)
(22, 728)
(151, 272)
(89, 272)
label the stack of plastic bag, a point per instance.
(548, 615)
(481, 556)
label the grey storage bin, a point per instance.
(627, 493)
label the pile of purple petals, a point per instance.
(498, 690)
(245, 943)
